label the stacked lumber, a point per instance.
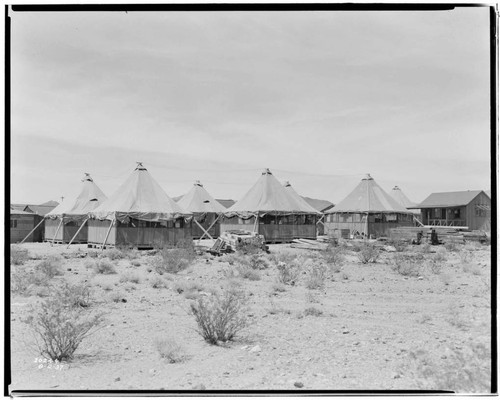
(308, 244)
(446, 234)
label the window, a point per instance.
(391, 217)
(13, 223)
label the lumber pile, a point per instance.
(446, 234)
(308, 244)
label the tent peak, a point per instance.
(287, 184)
(87, 177)
(198, 183)
(396, 188)
(266, 171)
(368, 178)
(140, 167)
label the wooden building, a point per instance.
(206, 212)
(269, 209)
(67, 222)
(22, 223)
(469, 209)
(368, 211)
(139, 214)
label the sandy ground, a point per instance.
(372, 320)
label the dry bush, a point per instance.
(248, 248)
(18, 255)
(26, 282)
(130, 277)
(247, 272)
(316, 277)
(440, 256)
(465, 257)
(157, 282)
(258, 262)
(174, 259)
(466, 369)
(75, 295)
(436, 267)
(170, 350)
(334, 256)
(368, 253)
(113, 254)
(220, 317)
(116, 297)
(59, 325)
(288, 274)
(451, 247)
(93, 254)
(399, 244)
(313, 311)
(406, 265)
(190, 290)
(51, 266)
(278, 288)
(426, 248)
(104, 266)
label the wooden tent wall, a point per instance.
(66, 232)
(209, 218)
(22, 224)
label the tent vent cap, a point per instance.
(287, 184)
(266, 171)
(87, 177)
(206, 201)
(198, 183)
(395, 188)
(368, 177)
(140, 167)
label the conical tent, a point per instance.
(139, 197)
(368, 197)
(90, 197)
(198, 200)
(268, 196)
(398, 195)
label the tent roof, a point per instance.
(287, 185)
(320, 205)
(89, 198)
(449, 199)
(368, 196)
(140, 197)
(398, 195)
(198, 200)
(267, 195)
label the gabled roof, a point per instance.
(449, 199)
(198, 200)
(140, 197)
(398, 195)
(89, 198)
(488, 193)
(287, 185)
(41, 209)
(368, 196)
(226, 202)
(320, 205)
(14, 211)
(267, 196)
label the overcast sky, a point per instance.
(320, 98)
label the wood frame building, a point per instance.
(269, 209)
(469, 209)
(368, 211)
(139, 214)
(22, 223)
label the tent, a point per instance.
(206, 211)
(66, 223)
(368, 211)
(398, 195)
(269, 209)
(139, 214)
(23, 224)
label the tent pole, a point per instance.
(57, 231)
(107, 233)
(210, 227)
(33, 230)
(77, 232)
(255, 223)
(203, 229)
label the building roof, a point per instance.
(89, 198)
(398, 195)
(139, 197)
(41, 209)
(367, 197)
(14, 211)
(320, 205)
(268, 196)
(198, 200)
(226, 202)
(449, 199)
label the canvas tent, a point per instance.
(22, 226)
(139, 214)
(368, 211)
(67, 222)
(269, 209)
(206, 211)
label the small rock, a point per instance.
(124, 300)
(298, 384)
(255, 349)
(68, 269)
(345, 332)
(117, 379)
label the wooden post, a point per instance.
(77, 232)
(203, 229)
(57, 231)
(212, 224)
(33, 230)
(255, 223)
(107, 233)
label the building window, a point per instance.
(13, 223)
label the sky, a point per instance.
(320, 98)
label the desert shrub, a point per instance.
(313, 311)
(335, 256)
(288, 274)
(278, 288)
(465, 257)
(283, 257)
(425, 248)
(26, 282)
(116, 297)
(406, 265)
(113, 254)
(51, 266)
(104, 266)
(188, 288)
(75, 295)
(170, 350)
(398, 244)
(93, 254)
(157, 282)
(247, 248)
(451, 247)
(220, 317)
(316, 277)
(464, 369)
(18, 255)
(174, 260)
(368, 253)
(435, 266)
(130, 277)
(258, 262)
(59, 326)
(247, 272)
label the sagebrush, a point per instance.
(18, 255)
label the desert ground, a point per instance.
(415, 319)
